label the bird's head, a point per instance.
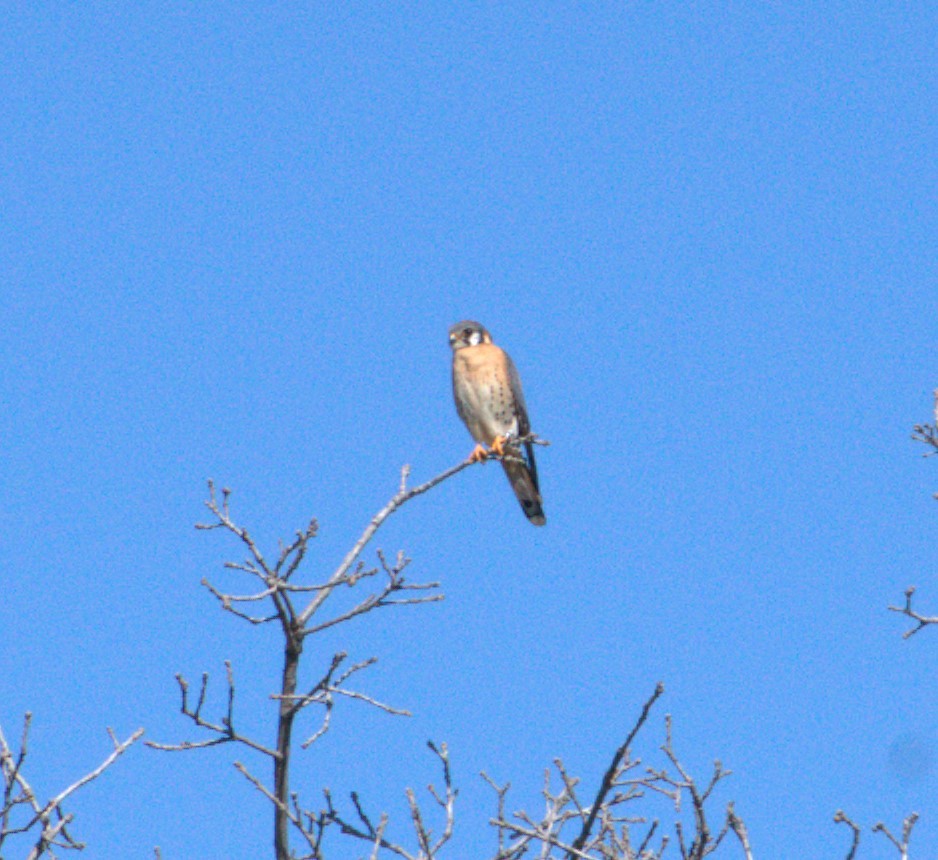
(468, 333)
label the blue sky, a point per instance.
(233, 240)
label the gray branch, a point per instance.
(901, 843)
(907, 610)
(48, 818)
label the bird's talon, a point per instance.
(498, 445)
(478, 455)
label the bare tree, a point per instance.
(23, 817)
(298, 610)
(301, 611)
(602, 828)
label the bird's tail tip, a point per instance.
(534, 512)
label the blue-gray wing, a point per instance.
(524, 423)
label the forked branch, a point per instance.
(928, 433)
(429, 845)
(222, 732)
(900, 843)
(907, 610)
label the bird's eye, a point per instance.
(466, 333)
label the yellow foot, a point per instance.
(479, 454)
(498, 445)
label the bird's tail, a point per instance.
(523, 480)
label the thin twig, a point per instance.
(840, 817)
(263, 790)
(736, 825)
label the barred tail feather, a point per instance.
(524, 483)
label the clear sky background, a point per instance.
(233, 239)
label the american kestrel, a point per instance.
(488, 395)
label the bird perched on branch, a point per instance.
(488, 395)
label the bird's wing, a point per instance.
(524, 424)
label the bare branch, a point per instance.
(920, 620)
(429, 846)
(297, 550)
(611, 772)
(370, 833)
(703, 843)
(737, 826)
(610, 818)
(120, 747)
(500, 818)
(224, 730)
(259, 566)
(377, 601)
(840, 817)
(643, 848)
(263, 790)
(325, 689)
(50, 818)
(549, 839)
(227, 599)
(352, 694)
(401, 497)
(901, 844)
(223, 515)
(927, 433)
